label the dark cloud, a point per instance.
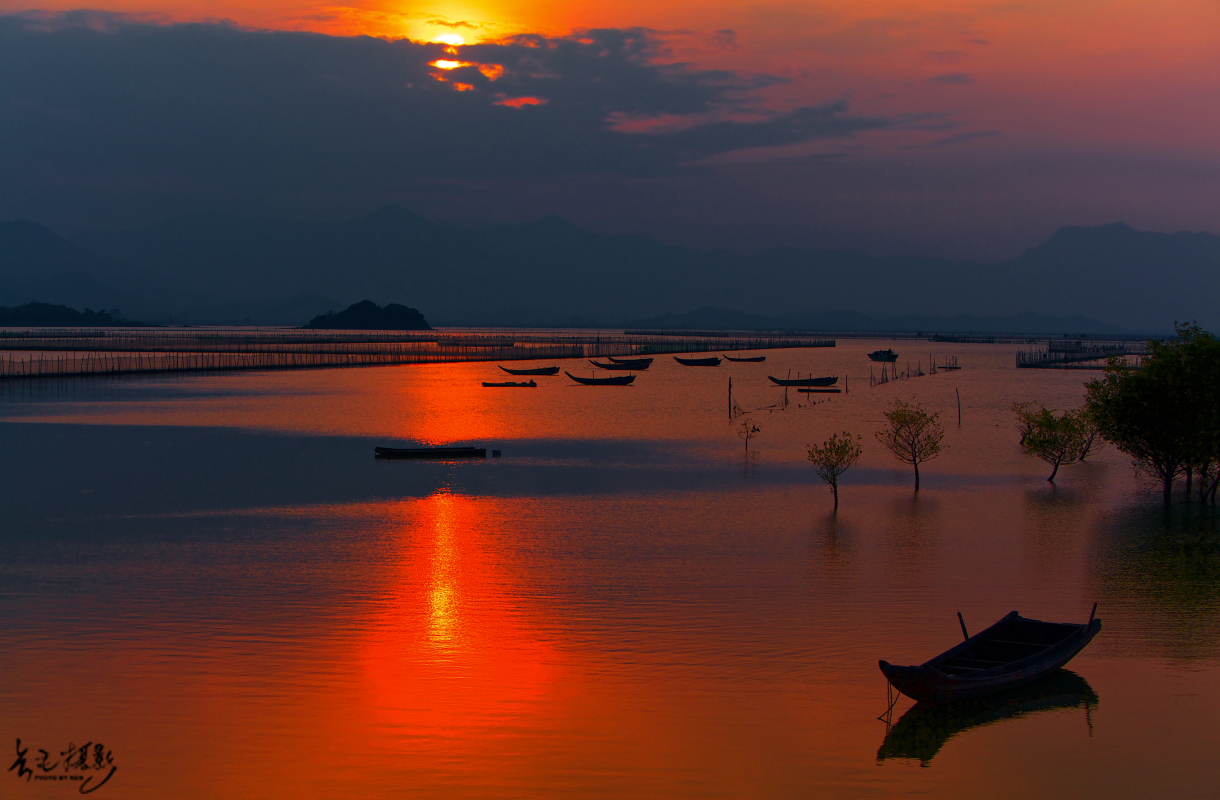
(949, 141)
(951, 79)
(112, 106)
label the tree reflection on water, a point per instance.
(1157, 573)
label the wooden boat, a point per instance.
(698, 362)
(829, 380)
(925, 727)
(751, 359)
(818, 390)
(637, 363)
(886, 356)
(529, 383)
(532, 371)
(617, 380)
(1014, 651)
(600, 365)
(430, 452)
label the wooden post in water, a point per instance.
(959, 406)
(730, 397)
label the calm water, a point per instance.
(213, 577)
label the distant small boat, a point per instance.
(511, 383)
(430, 452)
(829, 380)
(637, 363)
(753, 359)
(698, 362)
(1012, 652)
(532, 371)
(617, 380)
(886, 356)
(600, 365)
(819, 390)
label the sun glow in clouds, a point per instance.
(521, 102)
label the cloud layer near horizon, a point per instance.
(110, 119)
(211, 108)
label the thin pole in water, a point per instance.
(962, 622)
(730, 397)
(959, 406)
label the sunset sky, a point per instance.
(946, 127)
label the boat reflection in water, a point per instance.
(925, 728)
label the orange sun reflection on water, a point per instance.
(451, 651)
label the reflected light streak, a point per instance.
(442, 592)
(450, 651)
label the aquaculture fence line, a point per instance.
(1080, 355)
(70, 355)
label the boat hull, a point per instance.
(932, 683)
(634, 363)
(430, 452)
(698, 362)
(752, 359)
(617, 380)
(829, 380)
(533, 371)
(601, 365)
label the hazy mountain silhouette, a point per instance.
(221, 268)
(42, 315)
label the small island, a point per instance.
(368, 316)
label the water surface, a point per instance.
(213, 576)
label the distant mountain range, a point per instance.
(224, 269)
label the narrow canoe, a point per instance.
(617, 380)
(752, 359)
(601, 365)
(533, 371)
(430, 452)
(698, 362)
(1014, 651)
(637, 363)
(829, 380)
(523, 384)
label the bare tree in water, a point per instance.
(747, 430)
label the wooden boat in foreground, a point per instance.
(1014, 651)
(634, 363)
(751, 359)
(430, 452)
(829, 380)
(698, 362)
(884, 356)
(617, 380)
(532, 371)
(601, 365)
(522, 384)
